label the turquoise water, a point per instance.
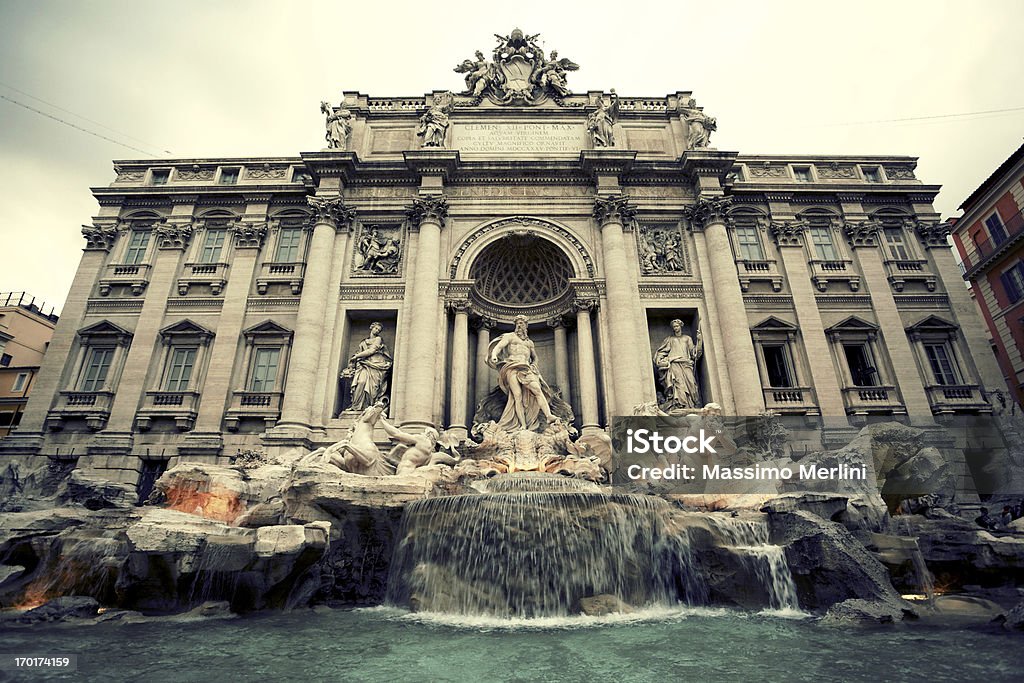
(388, 645)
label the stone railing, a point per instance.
(91, 406)
(180, 406)
(758, 270)
(260, 405)
(134, 276)
(864, 400)
(215, 275)
(790, 400)
(825, 271)
(282, 273)
(900, 271)
(951, 398)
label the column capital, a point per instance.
(861, 233)
(173, 234)
(457, 306)
(331, 211)
(707, 210)
(581, 305)
(485, 323)
(788, 233)
(613, 209)
(433, 208)
(100, 236)
(932, 235)
(250, 235)
(555, 322)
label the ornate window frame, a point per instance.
(265, 405)
(799, 398)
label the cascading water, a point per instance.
(535, 546)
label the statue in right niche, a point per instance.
(368, 370)
(675, 360)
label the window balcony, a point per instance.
(867, 400)
(989, 249)
(758, 270)
(825, 271)
(213, 274)
(790, 400)
(901, 271)
(91, 406)
(133, 276)
(275, 272)
(954, 398)
(180, 406)
(260, 405)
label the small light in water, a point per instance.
(914, 596)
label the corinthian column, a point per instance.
(709, 214)
(587, 366)
(483, 371)
(329, 215)
(623, 302)
(460, 369)
(561, 357)
(428, 214)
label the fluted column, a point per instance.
(561, 357)
(428, 214)
(623, 303)
(458, 399)
(329, 214)
(483, 371)
(587, 366)
(863, 237)
(708, 214)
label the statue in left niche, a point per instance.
(339, 126)
(434, 122)
(368, 370)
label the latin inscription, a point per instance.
(519, 137)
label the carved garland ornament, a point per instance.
(250, 235)
(173, 235)
(788, 233)
(862, 233)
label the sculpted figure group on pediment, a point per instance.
(518, 71)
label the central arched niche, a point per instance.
(521, 270)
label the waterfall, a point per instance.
(534, 545)
(750, 537)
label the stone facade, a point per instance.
(219, 300)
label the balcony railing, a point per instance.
(274, 272)
(983, 251)
(213, 274)
(790, 400)
(135, 276)
(951, 398)
(824, 271)
(259, 405)
(91, 406)
(180, 406)
(865, 400)
(900, 271)
(755, 270)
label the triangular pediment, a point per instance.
(933, 323)
(104, 328)
(773, 324)
(267, 328)
(853, 324)
(184, 327)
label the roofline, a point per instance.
(993, 179)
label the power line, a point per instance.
(76, 127)
(926, 118)
(68, 111)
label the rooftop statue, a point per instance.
(339, 126)
(601, 121)
(518, 73)
(434, 122)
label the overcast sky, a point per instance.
(218, 78)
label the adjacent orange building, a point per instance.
(990, 239)
(26, 326)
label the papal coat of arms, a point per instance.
(518, 71)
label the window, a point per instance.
(1013, 282)
(229, 176)
(160, 176)
(897, 246)
(179, 372)
(288, 245)
(97, 365)
(137, 245)
(748, 243)
(858, 359)
(996, 229)
(802, 174)
(776, 361)
(871, 174)
(5, 360)
(20, 381)
(212, 245)
(940, 359)
(824, 247)
(264, 369)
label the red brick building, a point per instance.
(990, 239)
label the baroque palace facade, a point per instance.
(218, 302)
